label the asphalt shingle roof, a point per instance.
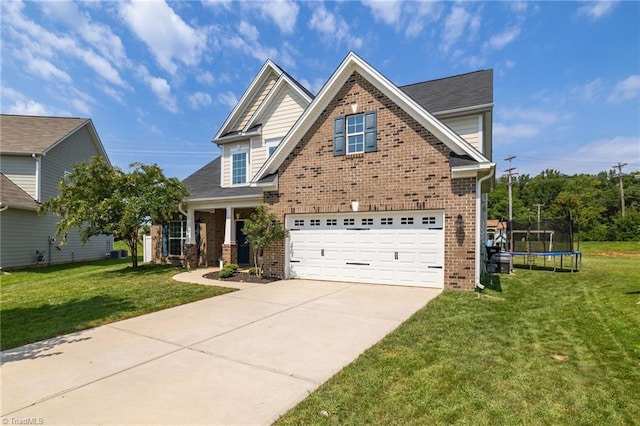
(450, 93)
(13, 196)
(205, 183)
(32, 134)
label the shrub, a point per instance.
(233, 266)
(253, 271)
(225, 272)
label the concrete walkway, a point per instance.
(242, 358)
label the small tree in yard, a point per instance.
(262, 231)
(99, 199)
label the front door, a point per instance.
(243, 247)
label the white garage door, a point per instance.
(403, 248)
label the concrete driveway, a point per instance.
(241, 358)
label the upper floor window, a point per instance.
(355, 134)
(272, 144)
(239, 168)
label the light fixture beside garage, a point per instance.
(459, 224)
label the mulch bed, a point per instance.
(242, 277)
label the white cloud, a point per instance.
(37, 39)
(29, 108)
(594, 10)
(205, 78)
(100, 36)
(315, 86)
(627, 89)
(45, 69)
(247, 41)
(589, 91)
(385, 11)
(284, 13)
(507, 133)
(420, 14)
(499, 41)
(160, 87)
(21, 104)
(407, 17)
(250, 32)
(525, 123)
(509, 63)
(333, 28)
(228, 99)
(198, 100)
(164, 32)
(455, 24)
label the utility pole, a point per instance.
(538, 206)
(619, 166)
(510, 172)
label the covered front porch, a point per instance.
(205, 233)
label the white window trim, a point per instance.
(270, 143)
(240, 150)
(182, 238)
(347, 134)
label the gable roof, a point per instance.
(228, 127)
(34, 135)
(12, 195)
(26, 135)
(353, 63)
(473, 90)
(205, 184)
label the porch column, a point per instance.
(229, 252)
(191, 228)
(228, 226)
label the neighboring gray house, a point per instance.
(35, 154)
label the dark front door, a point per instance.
(243, 247)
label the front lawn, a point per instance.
(549, 348)
(45, 302)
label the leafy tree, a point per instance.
(262, 231)
(97, 198)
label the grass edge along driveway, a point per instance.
(546, 348)
(40, 303)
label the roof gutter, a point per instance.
(481, 107)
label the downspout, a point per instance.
(479, 243)
(37, 191)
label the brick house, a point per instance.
(376, 183)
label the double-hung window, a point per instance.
(355, 134)
(239, 168)
(176, 237)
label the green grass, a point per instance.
(45, 302)
(610, 246)
(492, 360)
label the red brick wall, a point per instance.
(410, 171)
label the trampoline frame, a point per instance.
(529, 258)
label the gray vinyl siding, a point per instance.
(76, 148)
(21, 169)
(24, 232)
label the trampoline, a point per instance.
(529, 258)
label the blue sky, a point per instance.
(159, 79)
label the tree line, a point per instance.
(593, 202)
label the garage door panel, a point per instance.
(388, 248)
